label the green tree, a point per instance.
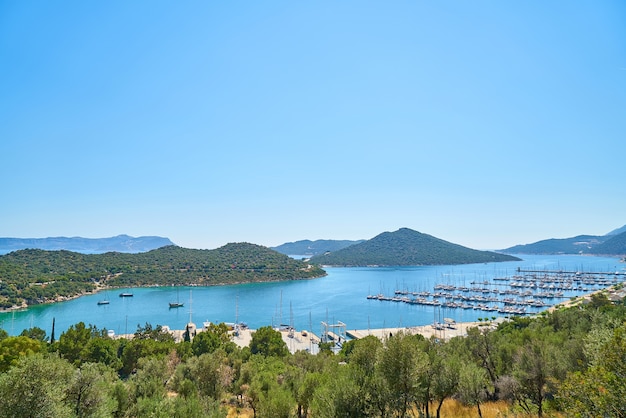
(73, 342)
(401, 365)
(600, 390)
(36, 387)
(12, 349)
(90, 389)
(534, 372)
(472, 385)
(268, 342)
(35, 333)
(214, 337)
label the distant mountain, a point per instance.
(609, 244)
(311, 248)
(120, 243)
(614, 245)
(406, 247)
(581, 244)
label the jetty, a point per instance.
(512, 295)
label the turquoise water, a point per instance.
(340, 296)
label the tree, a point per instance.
(35, 333)
(89, 391)
(73, 342)
(445, 379)
(12, 349)
(533, 370)
(600, 390)
(401, 365)
(209, 373)
(268, 342)
(472, 385)
(36, 387)
(214, 337)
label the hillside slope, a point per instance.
(38, 276)
(615, 245)
(576, 245)
(407, 247)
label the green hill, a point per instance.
(38, 276)
(576, 245)
(406, 247)
(311, 248)
(615, 245)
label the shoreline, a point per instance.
(100, 287)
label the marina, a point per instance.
(507, 295)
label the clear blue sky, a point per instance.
(484, 123)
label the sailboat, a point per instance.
(104, 301)
(178, 303)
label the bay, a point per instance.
(339, 296)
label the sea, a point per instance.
(340, 297)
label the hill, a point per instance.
(615, 245)
(406, 247)
(120, 243)
(312, 248)
(39, 276)
(576, 245)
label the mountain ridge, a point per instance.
(613, 243)
(406, 247)
(119, 243)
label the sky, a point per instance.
(484, 123)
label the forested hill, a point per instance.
(120, 243)
(37, 276)
(610, 244)
(575, 245)
(614, 245)
(406, 247)
(311, 248)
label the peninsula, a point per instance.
(29, 277)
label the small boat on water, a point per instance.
(178, 303)
(126, 295)
(104, 301)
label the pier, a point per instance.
(532, 289)
(555, 272)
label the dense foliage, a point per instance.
(406, 247)
(37, 276)
(569, 362)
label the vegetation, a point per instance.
(569, 362)
(38, 276)
(406, 247)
